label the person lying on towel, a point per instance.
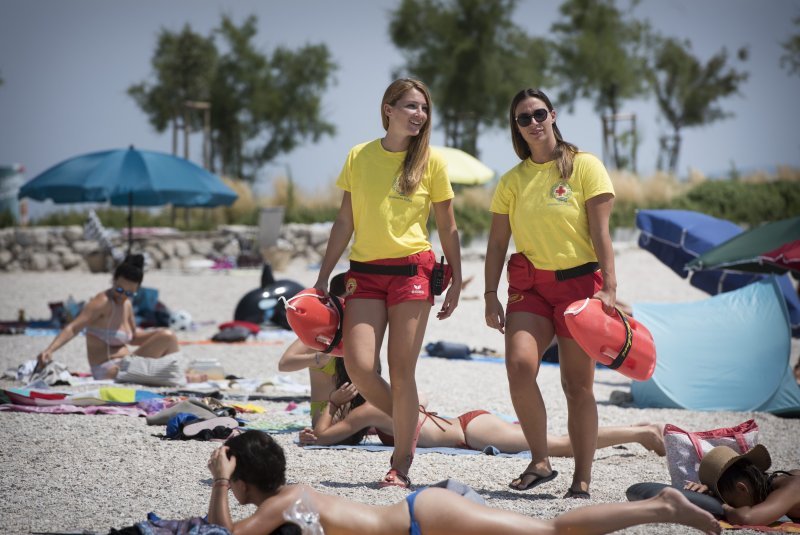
(111, 328)
(750, 496)
(253, 467)
(349, 417)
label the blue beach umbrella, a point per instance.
(129, 177)
(678, 237)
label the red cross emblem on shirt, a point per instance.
(561, 192)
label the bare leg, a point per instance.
(440, 512)
(489, 430)
(647, 435)
(364, 327)
(577, 380)
(407, 322)
(527, 335)
(155, 344)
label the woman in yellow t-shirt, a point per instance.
(556, 203)
(389, 186)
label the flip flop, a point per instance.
(579, 494)
(536, 482)
(395, 478)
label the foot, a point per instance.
(580, 494)
(533, 477)
(395, 478)
(682, 511)
(652, 438)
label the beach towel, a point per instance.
(74, 409)
(372, 446)
(782, 527)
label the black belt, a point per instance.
(577, 271)
(408, 270)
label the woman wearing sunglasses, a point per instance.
(556, 203)
(391, 185)
(110, 326)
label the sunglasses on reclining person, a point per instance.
(128, 293)
(525, 119)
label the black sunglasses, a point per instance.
(128, 293)
(525, 119)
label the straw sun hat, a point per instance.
(719, 459)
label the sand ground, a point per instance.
(74, 472)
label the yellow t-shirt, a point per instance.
(388, 224)
(548, 215)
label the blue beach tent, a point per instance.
(728, 352)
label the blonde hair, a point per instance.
(416, 160)
(564, 153)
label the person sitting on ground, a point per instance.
(750, 496)
(321, 366)
(351, 417)
(253, 466)
(110, 326)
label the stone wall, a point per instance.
(67, 248)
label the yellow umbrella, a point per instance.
(463, 168)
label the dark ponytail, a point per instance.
(341, 378)
(132, 269)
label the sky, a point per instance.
(67, 64)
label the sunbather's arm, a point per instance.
(777, 504)
(69, 332)
(326, 432)
(299, 356)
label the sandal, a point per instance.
(395, 478)
(579, 494)
(538, 479)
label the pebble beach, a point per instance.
(69, 473)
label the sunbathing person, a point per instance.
(321, 366)
(111, 328)
(344, 423)
(750, 496)
(253, 466)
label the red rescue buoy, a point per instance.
(619, 341)
(317, 320)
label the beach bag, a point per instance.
(685, 449)
(164, 371)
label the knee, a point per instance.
(521, 370)
(577, 392)
(167, 334)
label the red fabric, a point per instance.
(394, 289)
(252, 327)
(539, 292)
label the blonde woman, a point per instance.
(390, 185)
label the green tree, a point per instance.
(266, 105)
(688, 91)
(261, 105)
(601, 56)
(185, 65)
(790, 60)
(472, 57)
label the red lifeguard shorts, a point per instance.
(393, 289)
(539, 292)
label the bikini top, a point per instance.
(388, 440)
(112, 337)
(109, 336)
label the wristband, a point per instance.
(487, 292)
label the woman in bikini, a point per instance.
(110, 326)
(322, 369)
(344, 423)
(750, 496)
(253, 466)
